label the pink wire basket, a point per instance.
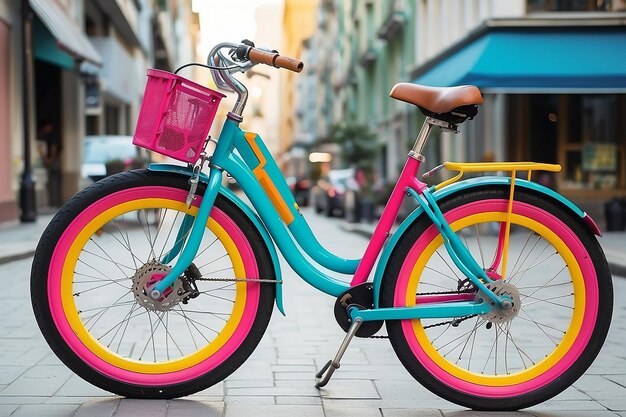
(175, 116)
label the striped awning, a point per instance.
(69, 36)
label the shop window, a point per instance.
(594, 151)
(535, 6)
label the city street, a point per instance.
(278, 379)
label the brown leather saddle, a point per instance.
(451, 104)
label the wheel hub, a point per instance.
(509, 309)
(146, 278)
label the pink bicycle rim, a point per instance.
(589, 319)
(61, 323)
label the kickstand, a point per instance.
(334, 364)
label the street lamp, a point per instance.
(27, 182)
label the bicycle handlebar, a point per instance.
(240, 58)
(274, 59)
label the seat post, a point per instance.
(420, 142)
(422, 136)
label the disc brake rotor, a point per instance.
(497, 314)
(146, 277)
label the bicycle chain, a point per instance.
(261, 280)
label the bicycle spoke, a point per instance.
(127, 321)
(548, 301)
(448, 265)
(169, 233)
(520, 352)
(545, 286)
(127, 241)
(490, 352)
(125, 303)
(213, 261)
(167, 333)
(116, 281)
(117, 264)
(480, 248)
(202, 311)
(194, 322)
(540, 326)
(104, 311)
(151, 338)
(205, 249)
(548, 282)
(455, 278)
(530, 235)
(521, 272)
(141, 313)
(188, 321)
(99, 272)
(149, 237)
(471, 336)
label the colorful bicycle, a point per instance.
(158, 283)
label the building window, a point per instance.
(111, 119)
(535, 6)
(595, 146)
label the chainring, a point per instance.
(361, 296)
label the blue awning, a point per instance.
(534, 59)
(59, 38)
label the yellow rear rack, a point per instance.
(513, 168)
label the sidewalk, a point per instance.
(19, 240)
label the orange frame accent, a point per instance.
(266, 182)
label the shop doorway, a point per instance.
(49, 130)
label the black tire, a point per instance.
(487, 400)
(40, 296)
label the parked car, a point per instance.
(104, 155)
(328, 194)
(300, 188)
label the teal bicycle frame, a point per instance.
(244, 156)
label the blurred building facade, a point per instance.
(263, 82)
(552, 72)
(299, 23)
(90, 60)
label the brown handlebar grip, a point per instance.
(291, 64)
(262, 57)
(275, 60)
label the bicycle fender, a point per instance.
(225, 192)
(462, 186)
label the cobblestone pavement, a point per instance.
(278, 380)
